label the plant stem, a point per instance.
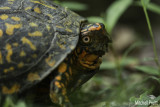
(151, 34)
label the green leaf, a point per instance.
(94, 19)
(151, 6)
(148, 70)
(21, 104)
(114, 12)
(155, 78)
(154, 8)
(112, 65)
(146, 2)
(108, 65)
(75, 6)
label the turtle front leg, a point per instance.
(58, 87)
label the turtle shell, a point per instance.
(35, 37)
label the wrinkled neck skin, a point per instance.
(83, 67)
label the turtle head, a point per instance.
(93, 44)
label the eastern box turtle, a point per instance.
(39, 40)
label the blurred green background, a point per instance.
(131, 69)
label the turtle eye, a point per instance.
(86, 39)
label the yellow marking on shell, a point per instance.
(37, 10)
(20, 65)
(48, 27)
(72, 47)
(50, 16)
(49, 62)
(5, 71)
(1, 32)
(58, 78)
(59, 26)
(57, 84)
(62, 68)
(15, 44)
(15, 88)
(10, 52)
(10, 2)
(68, 30)
(33, 24)
(10, 28)
(22, 54)
(34, 56)
(15, 18)
(67, 76)
(36, 33)
(8, 70)
(33, 77)
(4, 17)
(43, 4)
(27, 41)
(4, 8)
(28, 8)
(62, 46)
(1, 59)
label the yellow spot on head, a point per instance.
(58, 78)
(50, 62)
(10, 52)
(36, 33)
(33, 77)
(37, 10)
(10, 28)
(15, 88)
(4, 17)
(15, 18)
(22, 53)
(20, 65)
(62, 68)
(33, 24)
(1, 33)
(27, 41)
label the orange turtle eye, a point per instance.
(86, 39)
